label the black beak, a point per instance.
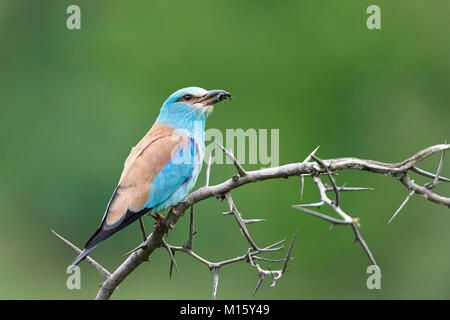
(214, 96)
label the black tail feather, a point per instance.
(105, 232)
(80, 257)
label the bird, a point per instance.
(163, 167)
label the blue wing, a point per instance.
(177, 171)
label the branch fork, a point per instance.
(315, 169)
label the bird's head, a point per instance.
(190, 104)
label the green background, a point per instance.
(73, 103)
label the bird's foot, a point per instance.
(173, 211)
(158, 217)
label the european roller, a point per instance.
(163, 167)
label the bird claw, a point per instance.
(159, 218)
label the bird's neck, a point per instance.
(179, 116)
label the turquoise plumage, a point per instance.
(178, 175)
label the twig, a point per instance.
(428, 174)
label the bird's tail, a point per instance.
(104, 232)
(80, 258)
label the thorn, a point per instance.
(289, 252)
(274, 244)
(253, 221)
(344, 189)
(215, 282)
(302, 177)
(271, 260)
(190, 241)
(316, 205)
(302, 183)
(238, 166)
(208, 171)
(134, 250)
(438, 172)
(171, 255)
(261, 278)
(311, 154)
(271, 273)
(402, 205)
(322, 216)
(171, 266)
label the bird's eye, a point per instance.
(187, 97)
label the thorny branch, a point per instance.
(314, 169)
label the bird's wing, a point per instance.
(152, 172)
(173, 174)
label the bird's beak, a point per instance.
(213, 96)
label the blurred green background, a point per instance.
(73, 103)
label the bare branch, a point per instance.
(430, 186)
(428, 174)
(328, 201)
(302, 169)
(391, 169)
(425, 192)
(363, 243)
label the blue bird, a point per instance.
(163, 167)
